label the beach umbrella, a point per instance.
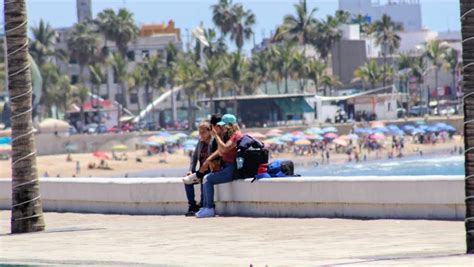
(303, 142)
(195, 134)
(312, 136)
(380, 130)
(273, 134)
(377, 124)
(5, 140)
(315, 130)
(181, 135)
(408, 127)
(393, 127)
(417, 131)
(450, 128)
(433, 129)
(120, 148)
(330, 130)
(4, 148)
(297, 133)
(163, 134)
(398, 133)
(340, 141)
(276, 131)
(420, 123)
(101, 155)
(343, 137)
(190, 142)
(286, 138)
(189, 148)
(377, 136)
(362, 131)
(423, 127)
(353, 136)
(171, 140)
(330, 135)
(257, 135)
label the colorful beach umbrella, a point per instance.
(4, 148)
(330, 130)
(353, 136)
(5, 140)
(101, 155)
(330, 135)
(377, 136)
(303, 142)
(120, 148)
(377, 124)
(190, 142)
(340, 141)
(273, 134)
(181, 135)
(195, 134)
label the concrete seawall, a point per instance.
(413, 197)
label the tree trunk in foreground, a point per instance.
(27, 212)
(467, 30)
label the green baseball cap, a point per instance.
(227, 119)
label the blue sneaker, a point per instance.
(206, 213)
(199, 211)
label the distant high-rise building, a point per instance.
(84, 10)
(405, 12)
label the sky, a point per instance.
(438, 15)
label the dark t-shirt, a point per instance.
(204, 153)
(213, 146)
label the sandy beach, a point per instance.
(175, 164)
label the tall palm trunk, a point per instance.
(384, 54)
(286, 83)
(467, 31)
(190, 113)
(26, 211)
(437, 91)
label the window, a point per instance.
(145, 53)
(131, 55)
(74, 79)
(133, 98)
(119, 98)
(115, 76)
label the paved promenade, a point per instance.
(94, 239)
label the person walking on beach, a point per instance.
(227, 148)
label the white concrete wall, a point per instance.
(437, 197)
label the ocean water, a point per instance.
(416, 166)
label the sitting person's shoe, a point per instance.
(192, 210)
(191, 179)
(206, 213)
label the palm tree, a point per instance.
(170, 60)
(299, 28)
(216, 47)
(386, 35)
(50, 75)
(63, 94)
(467, 17)
(242, 23)
(82, 44)
(188, 75)
(365, 27)
(154, 75)
(435, 52)
(80, 94)
(452, 65)
(315, 69)
(261, 64)
(327, 34)
(136, 80)
(43, 41)
(236, 71)
(98, 77)
(119, 28)
(329, 82)
(285, 53)
(26, 211)
(222, 16)
(212, 71)
(120, 67)
(368, 73)
(297, 67)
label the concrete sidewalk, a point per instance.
(94, 239)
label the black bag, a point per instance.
(252, 158)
